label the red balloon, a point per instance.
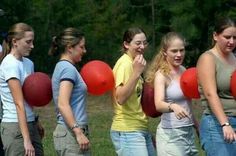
(189, 83)
(98, 77)
(37, 89)
(233, 84)
(147, 101)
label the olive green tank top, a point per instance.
(223, 77)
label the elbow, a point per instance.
(157, 106)
(120, 100)
(60, 106)
(210, 95)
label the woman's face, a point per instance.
(78, 51)
(24, 45)
(137, 46)
(175, 52)
(226, 41)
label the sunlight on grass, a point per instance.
(100, 118)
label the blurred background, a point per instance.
(104, 22)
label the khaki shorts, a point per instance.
(65, 142)
(13, 140)
(176, 141)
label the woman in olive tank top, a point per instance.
(214, 70)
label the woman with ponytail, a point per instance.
(69, 95)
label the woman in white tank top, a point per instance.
(175, 133)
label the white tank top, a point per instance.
(174, 94)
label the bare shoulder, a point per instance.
(205, 58)
(159, 75)
(160, 79)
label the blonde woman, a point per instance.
(19, 128)
(175, 132)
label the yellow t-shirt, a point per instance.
(129, 116)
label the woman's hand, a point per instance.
(139, 64)
(82, 140)
(29, 149)
(229, 134)
(179, 111)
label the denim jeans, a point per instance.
(136, 143)
(212, 139)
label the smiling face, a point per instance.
(175, 52)
(137, 45)
(226, 40)
(24, 46)
(78, 51)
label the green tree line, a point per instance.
(104, 22)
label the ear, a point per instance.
(126, 44)
(69, 48)
(214, 36)
(14, 42)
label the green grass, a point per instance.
(100, 118)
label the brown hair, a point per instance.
(221, 24)
(69, 37)
(129, 35)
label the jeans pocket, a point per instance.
(59, 141)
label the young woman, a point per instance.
(19, 130)
(69, 95)
(129, 130)
(214, 70)
(175, 133)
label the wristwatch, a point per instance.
(225, 124)
(76, 125)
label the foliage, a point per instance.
(104, 22)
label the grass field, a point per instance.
(100, 117)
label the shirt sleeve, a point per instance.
(122, 75)
(11, 71)
(68, 74)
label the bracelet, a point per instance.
(169, 108)
(75, 125)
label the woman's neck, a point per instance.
(220, 53)
(67, 58)
(16, 54)
(225, 57)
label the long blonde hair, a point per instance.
(159, 63)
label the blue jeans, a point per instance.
(137, 143)
(212, 138)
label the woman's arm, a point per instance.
(206, 77)
(124, 91)
(66, 111)
(17, 94)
